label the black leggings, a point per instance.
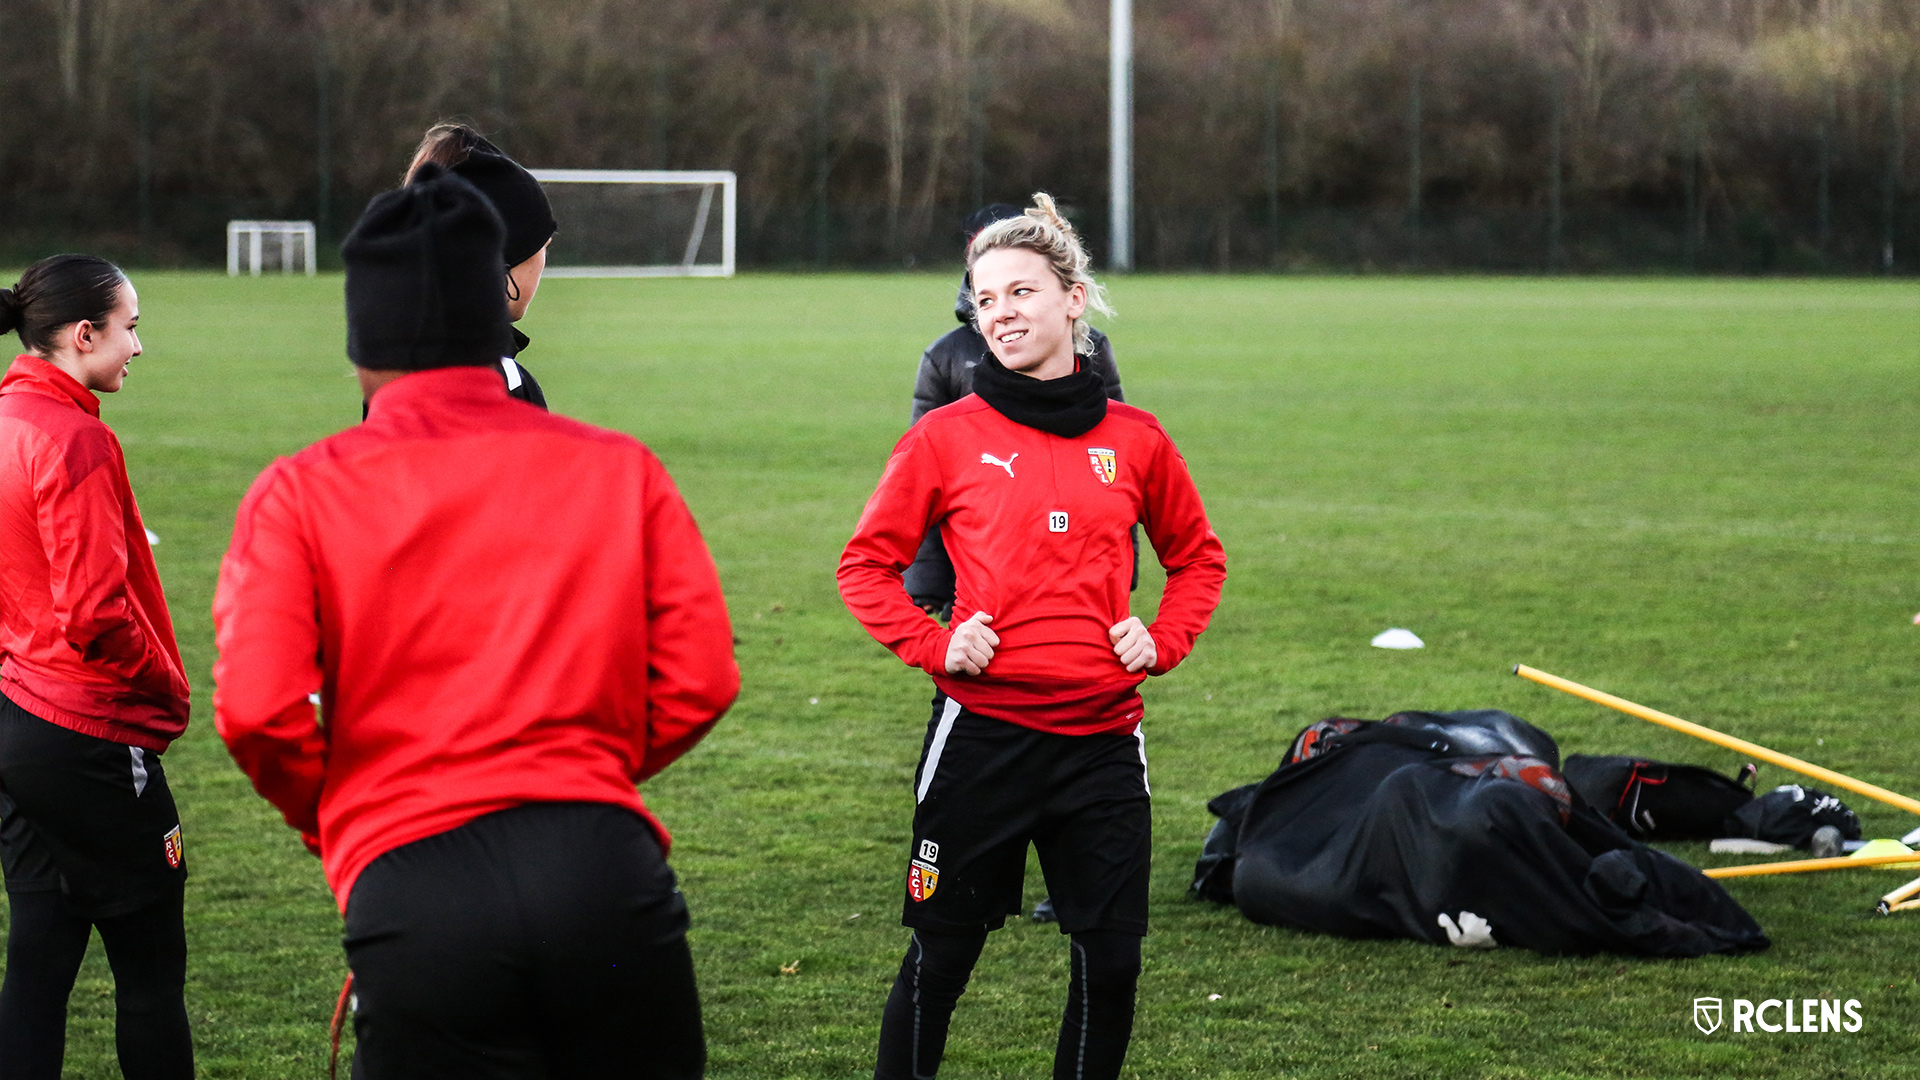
(1094, 1030)
(147, 949)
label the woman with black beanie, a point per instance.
(92, 691)
(1035, 480)
(523, 208)
(495, 676)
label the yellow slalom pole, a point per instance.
(1688, 727)
(1807, 866)
(1895, 900)
(1904, 905)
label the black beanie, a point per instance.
(426, 287)
(521, 200)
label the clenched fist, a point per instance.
(971, 647)
(1132, 644)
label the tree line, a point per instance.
(1269, 134)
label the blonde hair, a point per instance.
(1043, 231)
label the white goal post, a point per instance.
(286, 235)
(641, 222)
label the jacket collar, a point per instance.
(438, 387)
(34, 375)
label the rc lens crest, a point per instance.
(1105, 465)
(922, 879)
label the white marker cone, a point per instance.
(1398, 638)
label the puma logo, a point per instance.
(989, 459)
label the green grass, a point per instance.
(1697, 494)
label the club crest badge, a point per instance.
(1105, 465)
(175, 855)
(1706, 1014)
(922, 879)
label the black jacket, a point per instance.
(946, 376)
(520, 381)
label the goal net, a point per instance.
(640, 223)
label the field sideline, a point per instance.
(1698, 494)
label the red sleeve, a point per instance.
(883, 546)
(692, 677)
(1195, 562)
(83, 530)
(267, 629)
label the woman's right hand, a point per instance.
(970, 648)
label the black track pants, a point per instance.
(547, 940)
(1094, 1030)
(147, 950)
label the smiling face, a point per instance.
(97, 354)
(1025, 313)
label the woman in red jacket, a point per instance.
(1035, 481)
(495, 676)
(91, 690)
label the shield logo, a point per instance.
(1706, 1015)
(1105, 465)
(172, 843)
(921, 880)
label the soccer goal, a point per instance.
(281, 239)
(641, 223)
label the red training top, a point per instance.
(1037, 527)
(496, 605)
(85, 638)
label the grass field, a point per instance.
(1697, 494)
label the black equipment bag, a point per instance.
(1406, 827)
(1656, 800)
(1790, 814)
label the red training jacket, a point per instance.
(85, 638)
(1037, 527)
(496, 606)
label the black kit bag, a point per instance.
(1657, 800)
(1454, 829)
(1790, 814)
(1213, 871)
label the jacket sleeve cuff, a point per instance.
(1166, 657)
(933, 658)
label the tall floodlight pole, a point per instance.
(1120, 134)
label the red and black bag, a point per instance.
(1656, 800)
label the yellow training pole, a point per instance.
(1894, 899)
(1807, 866)
(1688, 727)
(1904, 905)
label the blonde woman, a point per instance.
(1035, 480)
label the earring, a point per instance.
(513, 287)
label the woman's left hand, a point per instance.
(1132, 644)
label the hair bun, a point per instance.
(9, 311)
(1044, 209)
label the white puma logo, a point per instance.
(989, 459)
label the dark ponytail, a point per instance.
(57, 292)
(446, 144)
